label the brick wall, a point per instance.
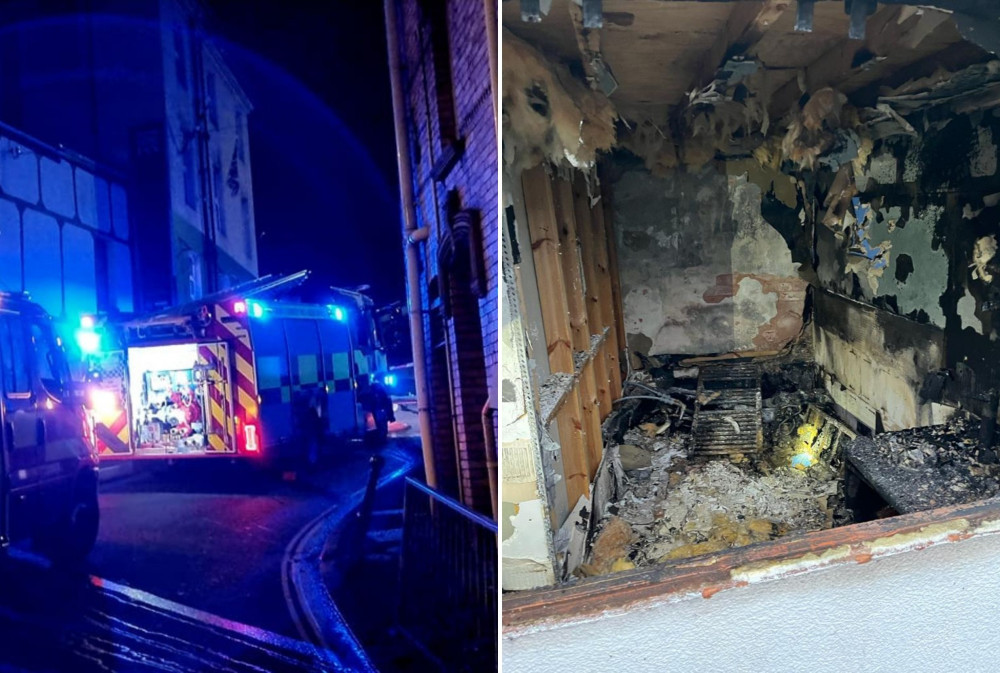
(471, 329)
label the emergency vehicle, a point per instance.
(244, 373)
(48, 470)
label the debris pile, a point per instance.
(927, 467)
(677, 504)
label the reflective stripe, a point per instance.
(247, 402)
(308, 369)
(243, 367)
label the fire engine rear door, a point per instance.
(213, 363)
(109, 404)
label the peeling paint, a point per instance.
(928, 535)
(883, 169)
(967, 313)
(923, 289)
(704, 274)
(983, 253)
(766, 570)
(984, 163)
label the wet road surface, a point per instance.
(186, 574)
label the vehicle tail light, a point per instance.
(250, 437)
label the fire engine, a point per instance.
(243, 373)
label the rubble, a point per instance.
(677, 505)
(927, 467)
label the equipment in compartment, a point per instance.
(169, 403)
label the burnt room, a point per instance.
(751, 285)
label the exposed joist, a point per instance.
(579, 326)
(576, 459)
(540, 208)
(593, 245)
(617, 303)
(592, 281)
(747, 23)
(835, 64)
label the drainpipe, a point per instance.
(491, 453)
(491, 47)
(414, 305)
(198, 86)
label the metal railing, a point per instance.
(448, 580)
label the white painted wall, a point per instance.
(227, 128)
(929, 610)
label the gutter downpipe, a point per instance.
(491, 46)
(414, 306)
(487, 416)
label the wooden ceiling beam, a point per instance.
(837, 63)
(746, 25)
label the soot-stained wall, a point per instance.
(919, 242)
(702, 271)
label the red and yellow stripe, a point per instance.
(212, 356)
(112, 432)
(227, 329)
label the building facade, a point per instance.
(65, 236)
(446, 80)
(140, 89)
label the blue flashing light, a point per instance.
(88, 341)
(256, 309)
(389, 380)
(337, 313)
(87, 322)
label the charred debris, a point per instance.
(777, 461)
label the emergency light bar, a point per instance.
(87, 338)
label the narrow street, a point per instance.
(187, 571)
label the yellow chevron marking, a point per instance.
(229, 327)
(123, 434)
(245, 368)
(217, 413)
(248, 402)
(216, 443)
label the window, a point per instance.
(247, 227)
(212, 104)
(190, 186)
(49, 362)
(14, 357)
(180, 62)
(435, 16)
(194, 288)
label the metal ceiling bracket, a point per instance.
(531, 11)
(804, 16)
(859, 10)
(593, 17)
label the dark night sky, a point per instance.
(321, 137)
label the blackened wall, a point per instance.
(919, 244)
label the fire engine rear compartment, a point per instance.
(170, 390)
(750, 277)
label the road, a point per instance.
(186, 574)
